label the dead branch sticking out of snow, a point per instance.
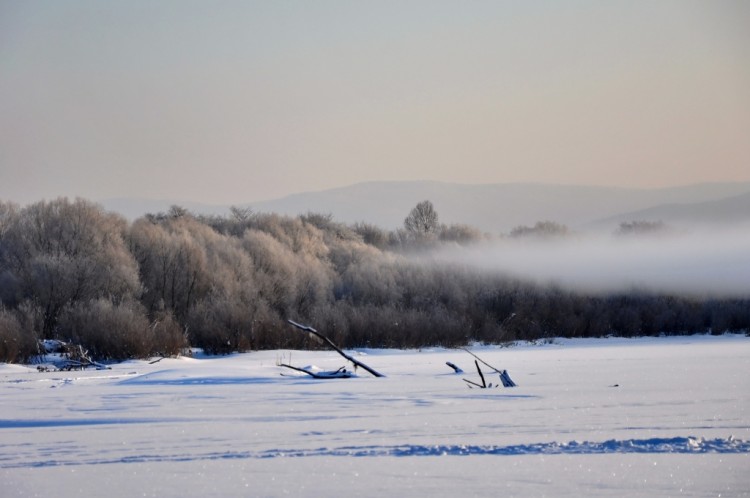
(504, 377)
(325, 339)
(454, 367)
(484, 384)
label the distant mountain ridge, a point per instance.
(731, 210)
(495, 208)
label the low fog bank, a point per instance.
(701, 262)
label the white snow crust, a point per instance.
(607, 417)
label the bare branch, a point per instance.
(356, 362)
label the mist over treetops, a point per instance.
(70, 270)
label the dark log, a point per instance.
(325, 339)
(454, 367)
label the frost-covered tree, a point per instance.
(172, 262)
(542, 230)
(422, 220)
(461, 234)
(60, 252)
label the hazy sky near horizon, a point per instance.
(239, 101)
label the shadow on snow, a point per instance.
(676, 445)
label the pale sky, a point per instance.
(240, 101)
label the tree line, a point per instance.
(168, 281)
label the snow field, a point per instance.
(607, 417)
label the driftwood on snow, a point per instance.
(484, 384)
(454, 367)
(504, 377)
(75, 358)
(325, 339)
(341, 373)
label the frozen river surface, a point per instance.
(607, 417)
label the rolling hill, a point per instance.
(496, 208)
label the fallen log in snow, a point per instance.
(454, 367)
(325, 339)
(341, 373)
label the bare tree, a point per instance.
(241, 214)
(422, 220)
(176, 211)
(16, 344)
(372, 234)
(173, 262)
(60, 252)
